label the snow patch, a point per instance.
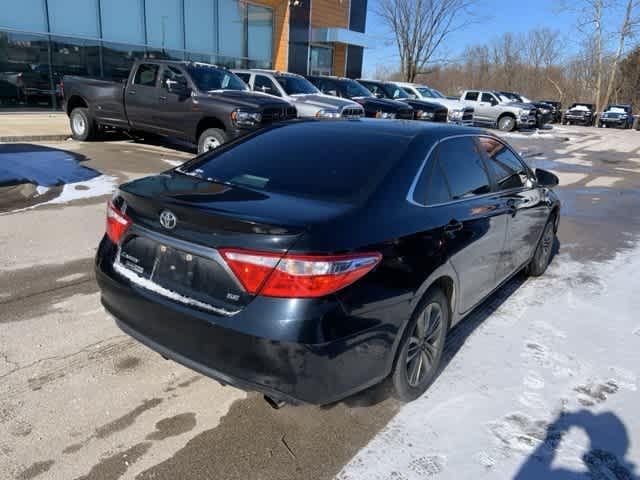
(96, 187)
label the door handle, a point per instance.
(453, 226)
(132, 92)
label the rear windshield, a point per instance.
(319, 160)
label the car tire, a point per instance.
(422, 343)
(211, 139)
(506, 123)
(542, 256)
(82, 126)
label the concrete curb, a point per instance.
(34, 138)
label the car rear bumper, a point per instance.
(293, 371)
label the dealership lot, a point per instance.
(79, 399)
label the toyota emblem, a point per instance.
(168, 220)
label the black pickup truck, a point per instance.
(197, 102)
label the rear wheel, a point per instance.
(420, 351)
(542, 255)
(507, 123)
(82, 126)
(211, 139)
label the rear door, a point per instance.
(518, 194)
(477, 220)
(141, 97)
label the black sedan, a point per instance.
(312, 260)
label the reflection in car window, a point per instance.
(352, 89)
(171, 74)
(146, 75)
(264, 84)
(505, 166)
(463, 168)
(393, 91)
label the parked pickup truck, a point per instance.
(198, 102)
(457, 112)
(300, 92)
(580, 113)
(424, 110)
(616, 116)
(373, 107)
(492, 109)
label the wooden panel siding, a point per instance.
(330, 13)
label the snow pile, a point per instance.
(616, 110)
(580, 108)
(565, 401)
(96, 187)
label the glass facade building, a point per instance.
(42, 40)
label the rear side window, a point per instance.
(146, 75)
(506, 168)
(473, 96)
(316, 161)
(463, 168)
(244, 76)
(432, 187)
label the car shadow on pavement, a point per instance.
(608, 445)
(456, 338)
(148, 139)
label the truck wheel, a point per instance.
(507, 123)
(211, 139)
(82, 126)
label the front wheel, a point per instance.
(420, 351)
(82, 126)
(507, 123)
(211, 139)
(542, 255)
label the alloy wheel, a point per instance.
(210, 143)
(424, 344)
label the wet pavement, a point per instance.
(78, 399)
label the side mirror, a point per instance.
(177, 88)
(546, 178)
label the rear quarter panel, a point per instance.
(104, 98)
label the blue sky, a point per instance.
(495, 17)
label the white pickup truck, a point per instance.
(495, 110)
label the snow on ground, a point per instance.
(565, 405)
(96, 187)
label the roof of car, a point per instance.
(405, 128)
(266, 71)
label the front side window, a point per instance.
(352, 89)
(294, 85)
(462, 165)
(507, 169)
(393, 91)
(265, 85)
(209, 79)
(172, 75)
(146, 75)
(488, 98)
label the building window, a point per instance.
(122, 21)
(260, 33)
(74, 17)
(164, 23)
(200, 25)
(29, 15)
(231, 31)
(320, 60)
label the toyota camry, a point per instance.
(312, 260)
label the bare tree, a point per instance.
(421, 27)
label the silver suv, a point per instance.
(496, 110)
(299, 91)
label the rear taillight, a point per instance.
(117, 222)
(297, 276)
